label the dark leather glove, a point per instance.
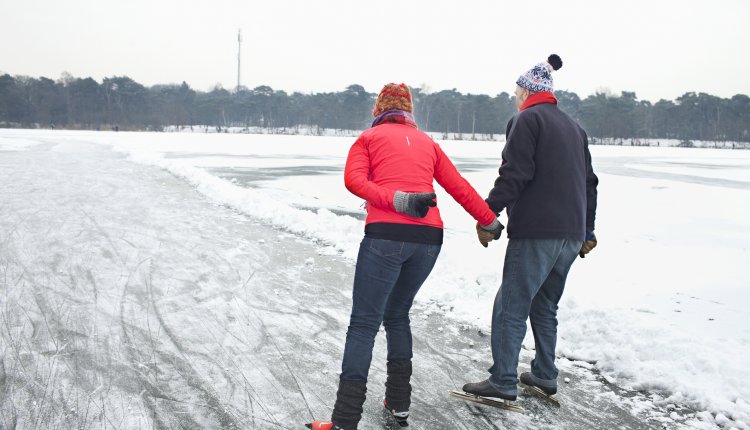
(488, 233)
(588, 244)
(414, 204)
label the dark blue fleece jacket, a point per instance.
(546, 181)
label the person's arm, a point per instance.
(592, 181)
(461, 190)
(518, 165)
(357, 177)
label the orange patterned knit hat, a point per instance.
(393, 97)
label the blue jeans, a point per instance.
(533, 281)
(388, 276)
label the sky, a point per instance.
(656, 48)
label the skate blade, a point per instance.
(537, 392)
(502, 404)
(400, 423)
(395, 424)
(308, 425)
(391, 422)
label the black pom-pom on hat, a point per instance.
(555, 61)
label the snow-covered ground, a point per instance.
(317, 131)
(662, 305)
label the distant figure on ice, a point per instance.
(548, 186)
(392, 165)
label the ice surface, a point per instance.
(661, 305)
(717, 169)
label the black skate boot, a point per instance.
(485, 389)
(532, 386)
(528, 380)
(484, 393)
(396, 417)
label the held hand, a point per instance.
(485, 237)
(414, 204)
(488, 233)
(588, 245)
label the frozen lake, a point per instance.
(126, 268)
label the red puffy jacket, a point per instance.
(398, 157)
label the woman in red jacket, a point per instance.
(392, 166)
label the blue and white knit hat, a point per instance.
(539, 78)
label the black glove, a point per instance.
(414, 204)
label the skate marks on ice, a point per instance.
(131, 302)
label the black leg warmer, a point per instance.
(397, 386)
(349, 400)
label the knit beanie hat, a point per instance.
(393, 97)
(539, 78)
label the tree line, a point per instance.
(122, 103)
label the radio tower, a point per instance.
(239, 56)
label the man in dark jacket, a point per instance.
(548, 187)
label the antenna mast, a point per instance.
(239, 54)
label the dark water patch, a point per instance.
(183, 155)
(338, 211)
(618, 166)
(248, 176)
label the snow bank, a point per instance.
(338, 232)
(706, 374)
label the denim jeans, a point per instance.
(533, 281)
(388, 276)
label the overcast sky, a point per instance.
(657, 48)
